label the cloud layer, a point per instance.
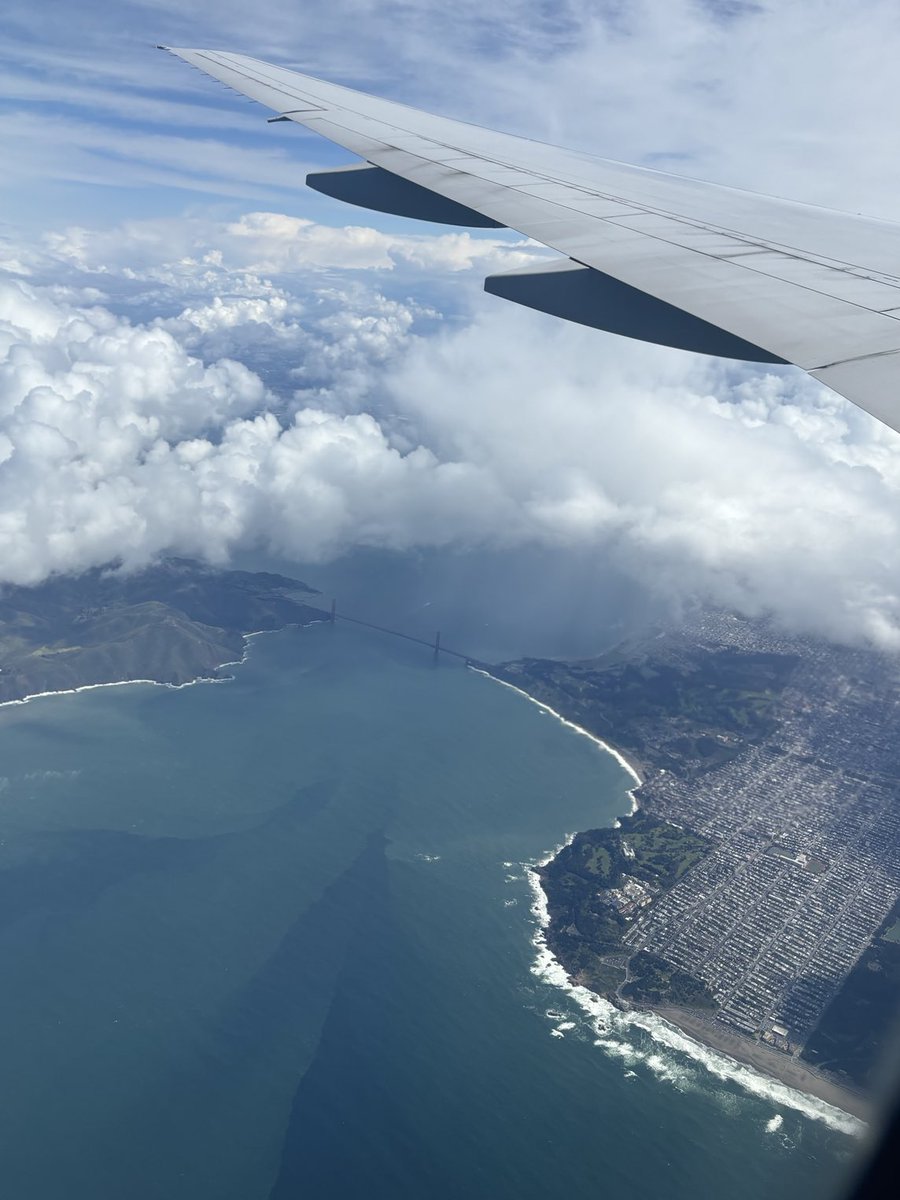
(123, 438)
(213, 380)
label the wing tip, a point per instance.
(180, 51)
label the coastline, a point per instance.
(750, 1064)
(757, 1068)
(621, 758)
(90, 687)
(790, 1071)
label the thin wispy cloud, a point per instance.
(793, 99)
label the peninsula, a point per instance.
(752, 898)
(175, 622)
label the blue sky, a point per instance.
(197, 354)
(96, 124)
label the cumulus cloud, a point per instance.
(116, 442)
(756, 489)
(273, 243)
(218, 380)
(285, 295)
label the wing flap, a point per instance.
(568, 290)
(798, 284)
(374, 188)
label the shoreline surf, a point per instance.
(617, 754)
(605, 1017)
(839, 1108)
(199, 679)
(613, 1031)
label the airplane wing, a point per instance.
(649, 255)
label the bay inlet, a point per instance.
(275, 937)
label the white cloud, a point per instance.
(272, 243)
(696, 477)
(759, 490)
(117, 442)
(274, 385)
(274, 289)
(85, 151)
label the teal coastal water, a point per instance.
(274, 937)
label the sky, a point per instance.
(199, 355)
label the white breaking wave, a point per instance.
(48, 776)
(614, 1029)
(730, 1070)
(775, 1124)
(175, 687)
(93, 687)
(614, 1034)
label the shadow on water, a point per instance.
(62, 872)
(313, 952)
(335, 1143)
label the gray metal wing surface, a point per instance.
(648, 254)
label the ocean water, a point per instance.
(277, 938)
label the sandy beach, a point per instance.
(625, 760)
(783, 1067)
(697, 1026)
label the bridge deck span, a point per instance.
(435, 646)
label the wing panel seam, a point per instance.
(743, 240)
(640, 233)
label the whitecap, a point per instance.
(727, 1069)
(607, 1021)
(618, 1049)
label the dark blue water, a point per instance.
(273, 938)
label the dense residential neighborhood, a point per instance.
(797, 800)
(806, 825)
